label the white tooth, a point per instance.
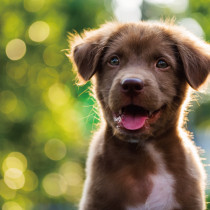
(118, 119)
(120, 112)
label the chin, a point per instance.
(133, 136)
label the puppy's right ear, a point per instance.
(85, 56)
(86, 50)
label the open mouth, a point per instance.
(133, 117)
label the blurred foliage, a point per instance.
(41, 118)
(46, 120)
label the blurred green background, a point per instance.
(46, 120)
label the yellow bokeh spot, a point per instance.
(67, 119)
(13, 24)
(53, 56)
(15, 49)
(74, 176)
(72, 172)
(47, 77)
(11, 205)
(57, 94)
(33, 5)
(15, 71)
(24, 201)
(15, 160)
(73, 194)
(54, 184)
(39, 31)
(14, 178)
(19, 113)
(31, 181)
(12, 162)
(55, 149)
(6, 192)
(8, 101)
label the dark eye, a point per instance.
(114, 61)
(161, 64)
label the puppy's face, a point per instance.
(142, 73)
(138, 83)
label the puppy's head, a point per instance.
(142, 72)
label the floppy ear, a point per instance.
(86, 50)
(195, 56)
(86, 57)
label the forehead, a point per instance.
(140, 39)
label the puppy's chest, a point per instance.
(161, 194)
(155, 191)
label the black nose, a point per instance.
(132, 85)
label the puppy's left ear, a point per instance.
(195, 56)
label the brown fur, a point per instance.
(119, 171)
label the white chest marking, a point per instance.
(162, 195)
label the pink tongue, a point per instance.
(133, 122)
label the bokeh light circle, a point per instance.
(15, 49)
(39, 31)
(57, 94)
(14, 178)
(193, 26)
(33, 5)
(12, 162)
(53, 56)
(11, 205)
(55, 149)
(54, 184)
(8, 101)
(31, 181)
(72, 172)
(15, 160)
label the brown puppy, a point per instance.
(141, 158)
